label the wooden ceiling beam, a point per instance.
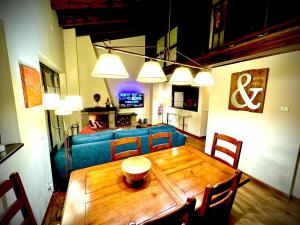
(117, 28)
(90, 22)
(115, 34)
(73, 18)
(87, 4)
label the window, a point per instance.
(218, 23)
(51, 84)
(169, 42)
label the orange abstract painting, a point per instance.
(31, 82)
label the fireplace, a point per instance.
(102, 119)
(104, 116)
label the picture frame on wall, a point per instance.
(31, 83)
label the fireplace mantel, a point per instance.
(99, 109)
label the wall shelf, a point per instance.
(10, 149)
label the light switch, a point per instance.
(284, 108)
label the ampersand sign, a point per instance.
(247, 90)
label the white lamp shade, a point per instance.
(74, 103)
(63, 109)
(50, 101)
(203, 78)
(151, 72)
(110, 66)
(181, 76)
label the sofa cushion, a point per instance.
(162, 128)
(90, 154)
(130, 133)
(89, 138)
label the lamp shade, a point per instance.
(181, 76)
(151, 72)
(110, 66)
(50, 101)
(62, 110)
(74, 103)
(203, 78)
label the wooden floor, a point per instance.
(255, 203)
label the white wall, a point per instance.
(89, 85)
(32, 33)
(9, 128)
(133, 64)
(270, 139)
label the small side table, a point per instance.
(179, 115)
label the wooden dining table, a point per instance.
(101, 195)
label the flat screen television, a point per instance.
(131, 100)
(185, 97)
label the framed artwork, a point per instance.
(248, 89)
(31, 83)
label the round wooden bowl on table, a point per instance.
(135, 168)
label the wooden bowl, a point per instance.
(136, 168)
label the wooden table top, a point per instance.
(100, 195)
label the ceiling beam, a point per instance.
(115, 34)
(87, 4)
(90, 22)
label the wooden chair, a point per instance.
(218, 200)
(21, 202)
(152, 137)
(179, 216)
(217, 147)
(117, 156)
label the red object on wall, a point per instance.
(160, 109)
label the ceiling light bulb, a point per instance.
(151, 72)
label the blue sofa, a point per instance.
(94, 149)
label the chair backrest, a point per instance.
(21, 202)
(216, 146)
(124, 154)
(152, 137)
(218, 200)
(181, 215)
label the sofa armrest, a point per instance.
(180, 139)
(60, 164)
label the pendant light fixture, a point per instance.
(51, 101)
(151, 72)
(181, 76)
(203, 78)
(74, 103)
(63, 109)
(109, 65)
